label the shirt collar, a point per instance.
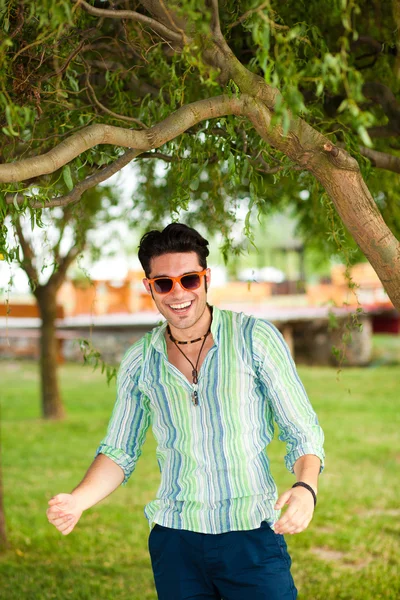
(215, 324)
(158, 336)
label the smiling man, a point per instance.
(211, 383)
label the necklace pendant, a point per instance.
(195, 398)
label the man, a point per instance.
(210, 382)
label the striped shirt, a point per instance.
(215, 472)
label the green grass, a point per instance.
(385, 349)
(351, 550)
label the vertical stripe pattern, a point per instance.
(215, 474)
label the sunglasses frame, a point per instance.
(178, 279)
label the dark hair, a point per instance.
(176, 237)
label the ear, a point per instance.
(146, 285)
(208, 277)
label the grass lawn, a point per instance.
(351, 550)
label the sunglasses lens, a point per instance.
(163, 286)
(191, 282)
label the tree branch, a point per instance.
(381, 160)
(27, 263)
(367, 40)
(20, 21)
(131, 14)
(140, 87)
(57, 277)
(381, 131)
(141, 140)
(381, 94)
(67, 62)
(170, 159)
(174, 125)
(159, 10)
(75, 195)
(66, 217)
(215, 22)
(160, 156)
(107, 110)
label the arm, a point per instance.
(307, 469)
(298, 425)
(101, 479)
(117, 454)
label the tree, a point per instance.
(244, 102)
(46, 260)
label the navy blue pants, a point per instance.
(238, 565)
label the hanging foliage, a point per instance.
(246, 102)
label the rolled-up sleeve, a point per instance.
(130, 418)
(298, 423)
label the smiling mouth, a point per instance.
(181, 307)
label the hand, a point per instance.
(300, 511)
(64, 512)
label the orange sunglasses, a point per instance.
(189, 281)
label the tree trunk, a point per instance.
(52, 405)
(340, 175)
(365, 223)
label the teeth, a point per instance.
(178, 306)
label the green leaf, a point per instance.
(194, 184)
(67, 177)
(231, 164)
(363, 133)
(15, 202)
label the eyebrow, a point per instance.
(182, 274)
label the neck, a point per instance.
(197, 330)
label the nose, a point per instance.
(177, 289)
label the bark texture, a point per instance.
(51, 398)
(362, 218)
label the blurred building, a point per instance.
(114, 313)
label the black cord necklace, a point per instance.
(189, 341)
(195, 372)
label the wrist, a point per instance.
(308, 487)
(81, 501)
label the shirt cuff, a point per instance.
(299, 451)
(120, 457)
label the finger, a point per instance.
(299, 526)
(61, 520)
(292, 510)
(55, 500)
(66, 526)
(55, 514)
(282, 500)
(287, 517)
(68, 529)
(287, 525)
(298, 529)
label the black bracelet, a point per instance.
(308, 487)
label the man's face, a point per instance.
(182, 308)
